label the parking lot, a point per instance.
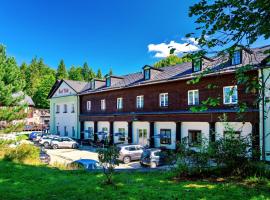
(65, 156)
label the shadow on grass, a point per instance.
(18, 181)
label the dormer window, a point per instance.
(196, 64)
(146, 74)
(108, 81)
(93, 84)
(236, 58)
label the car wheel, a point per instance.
(46, 144)
(55, 146)
(126, 159)
(142, 164)
(153, 165)
(74, 146)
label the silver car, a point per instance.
(46, 140)
(129, 153)
(63, 142)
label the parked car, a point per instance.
(46, 140)
(44, 157)
(63, 142)
(152, 158)
(35, 136)
(129, 153)
(87, 164)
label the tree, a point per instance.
(11, 84)
(232, 22)
(23, 70)
(99, 74)
(108, 159)
(86, 72)
(171, 60)
(61, 72)
(75, 74)
(40, 97)
(92, 74)
(228, 24)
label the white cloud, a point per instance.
(162, 50)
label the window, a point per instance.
(193, 97)
(165, 136)
(163, 100)
(65, 108)
(88, 105)
(57, 109)
(108, 82)
(73, 131)
(119, 103)
(57, 130)
(105, 129)
(194, 138)
(236, 58)
(72, 108)
(121, 134)
(231, 134)
(93, 84)
(103, 104)
(197, 64)
(65, 131)
(230, 95)
(90, 132)
(140, 101)
(147, 74)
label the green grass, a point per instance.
(37, 182)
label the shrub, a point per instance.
(108, 159)
(24, 153)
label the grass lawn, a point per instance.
(36, 182)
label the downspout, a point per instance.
(78, 114)
(263, 121)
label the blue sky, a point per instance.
(107, 34)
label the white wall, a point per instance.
(116, 126)
(202, 126)
(103, 124)
(140, 125)
(165, 125)
(244, 128)
(64, 90)
(86, 125)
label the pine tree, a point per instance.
(92, 74)
(85, 72)
(99, 74)
(11, 83)
(111, 72)
(61, 71)
(75, 74)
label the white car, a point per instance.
(46, 140)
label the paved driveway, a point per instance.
(66, 156)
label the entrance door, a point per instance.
(142, 137)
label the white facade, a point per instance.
(168, 126)
(245, 129)
(141, 133)
(195, 126)
(65, 123)
(119, 126)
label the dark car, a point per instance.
(153, 158)
(44, 157)
(34, 136)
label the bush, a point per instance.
(24, 153)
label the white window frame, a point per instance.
(103, 104)
(162, 100)
(192, 92)
(231, 96)
(88, 105)
(119, 103)
(140, 101)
